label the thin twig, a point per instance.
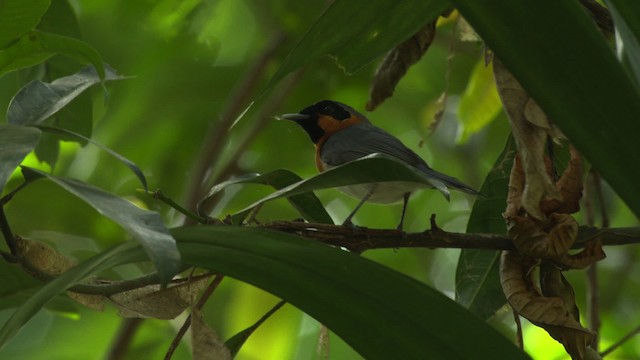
(519, 338)
(187, 323)
(128, 328)
(216, 138)
(158, 194)
(9, 238)
(593, 298)
(624, 339)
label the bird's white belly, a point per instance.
(383, 192)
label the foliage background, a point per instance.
(185, 59)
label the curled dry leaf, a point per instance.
(591, 254)
(516, 185)
(396, 64)
(206, 344)
(45, 259)
(548, 240)
(549, 313)
(152, 301)
(526, 119)
(570, 187)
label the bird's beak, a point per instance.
(293, 117)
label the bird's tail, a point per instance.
(450, 181)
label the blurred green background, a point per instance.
(186, 61)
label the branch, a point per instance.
(361, 239)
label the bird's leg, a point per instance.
(405, 201)
(347, 221)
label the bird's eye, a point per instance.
(327, 109)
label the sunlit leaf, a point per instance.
(18, 17)
(306, 203)
(479, 103)
(536, 40)
(354, 32)
(38, 100)
(629, 32)
(15, 143)
(35, 47)
(145, 226)
(477, 275)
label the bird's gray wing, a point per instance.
(365, 139)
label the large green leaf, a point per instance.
(628, 27)
(18, 17)
(36, 46)
(15, 143)
(36, 101)
(554, 49)
(145, 226)
(307, 203)
(369, 169)
(355, 32)
(477, 280)
(402, 318)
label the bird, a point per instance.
(342, 134)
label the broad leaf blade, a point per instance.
(306, 203)
(477, 279)
(18, 17)
(145, 226)
(407, 319)
(35, 47)
(555, 51)
(629, 32)
(38, 100)
(369, 169)
(15, 143)
(355, 32)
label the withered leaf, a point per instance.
(570, 187)
(547, 240)
(549, 313)
(397, 62)
(591, 254)
(207, 345)
(152, 301)
(47, 260)
(530, 137)
(516, 185)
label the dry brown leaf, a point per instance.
(547, 312)
(152, 301)
(591, 254)
(570, 187)
(546, 241)
(530, 137)
(516, 185)
(396, 64)
(206, 344)
(554, 284)
(49, 261)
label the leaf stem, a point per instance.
(158, 194)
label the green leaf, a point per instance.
(67, 134)
(145, 226)
(15, 143)
(554, 49)
(18, 17)
(477, 279)
(36, 101)
(479, 103)
(406, 318)
(306, 203)
(630, 45)
(355, 32)
(35, 47)
(121, 254)
(369, 169)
